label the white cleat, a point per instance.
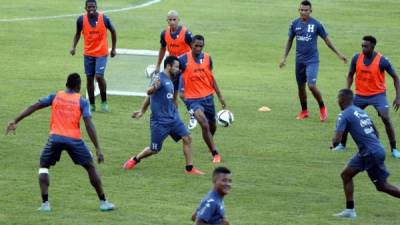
(106, 206)
(45, 207)
(347, 213)
(192, 122)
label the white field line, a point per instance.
(75, 15)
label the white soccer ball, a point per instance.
(225, 118)
(150, 70)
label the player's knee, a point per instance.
(187, 139)
(345, 176)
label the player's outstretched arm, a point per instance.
(287, 50)
(12, 125)
(329, 43)
(143, 109)
(91, 130)
(220, 97)
(350, 76)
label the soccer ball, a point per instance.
(225, 118)
(150, 70)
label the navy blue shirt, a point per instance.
(306, 34)
(163, 108)
(384, 63)
(183, 60)
(93, 21)
(174, 35)
(211, 209)
(357, 122)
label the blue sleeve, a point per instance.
(108, 24)
(291, 31)
(188, 37)
(182, 62)
(85, 110)
(354, 61)
(385, 64)
(79, 24)
(162, 39)
(206, 211)
(321, 31)
(48, 100)
(181, 85)
(341, 122)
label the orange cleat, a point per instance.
(216, 158)
(323, 114)
(302, 115)
(130, 164)
(194, 171)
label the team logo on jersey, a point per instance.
(170, 96)
(310, 28)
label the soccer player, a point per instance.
(93, 25)
(211, 209)
(306, 31)
(369, 67)
(198, 87)
(67, 108)
(176, 39)
(164, 118)
(371, 153)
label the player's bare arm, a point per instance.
(329, 43)
(220, 97)
(396, 82)
(91, 130)
(12, 125)
(139, 113)
(336, 139)
(287, 50)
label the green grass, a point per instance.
(282, 169)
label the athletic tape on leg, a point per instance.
(43, 170)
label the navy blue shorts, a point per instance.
(159, 132)
(76, 149)
(374, 164)
(307, 72)
(379, 101)
(95, 65)
(205, 104)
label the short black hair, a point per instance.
(346, 92)
(220, 170)
(169, 60)
(73, 81)
(370, 38)
(306, 3)
(198, 37)
(88, 1)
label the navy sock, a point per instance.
(102, 197)
(45, 198)
(350, 205)
(189, 167)
(214, 152)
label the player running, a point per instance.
(164, 118)
(369, 67)
(306, 31)
(211, 209)
(67, 108)
(371, 153)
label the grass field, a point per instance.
(283, 170)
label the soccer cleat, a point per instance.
(194, 171)
(302, 115)
(45, 207)
(192, 122)
(216, 158)
(323, 114)
(92, 108)
(347, 213)
(395, 153)
(339, 148)
(130, 164)
(106, 206)
(104, 107)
